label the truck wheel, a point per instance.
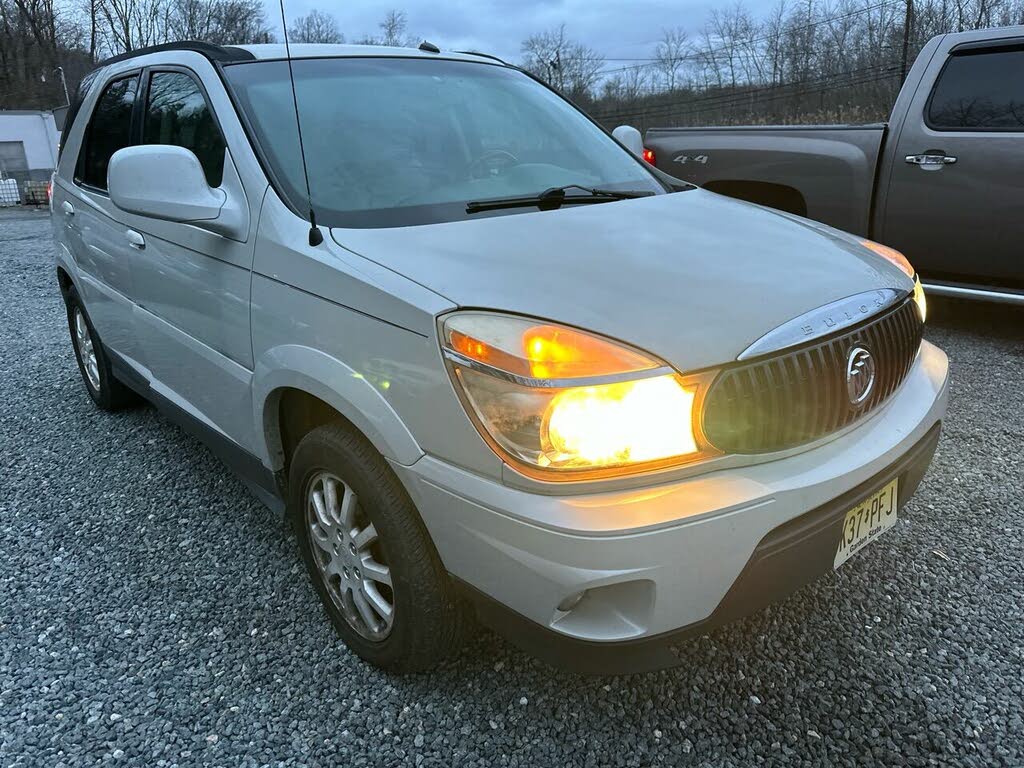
(368, 554)
(105, 390)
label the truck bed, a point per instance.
(825, 172)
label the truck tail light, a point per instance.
(649, 155)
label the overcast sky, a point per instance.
(617, 28)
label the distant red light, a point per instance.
(649, 156)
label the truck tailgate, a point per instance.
(825, 172)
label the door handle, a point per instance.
(135, 239)
(68, 208)
(930, 161)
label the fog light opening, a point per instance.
(571, 601)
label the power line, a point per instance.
(728, 100)
(849, 79)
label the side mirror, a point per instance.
(631, 138)
(165, 182)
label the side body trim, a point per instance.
(264, 483)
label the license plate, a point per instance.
(866, 522)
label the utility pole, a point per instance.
(908, 23)
(63, 82)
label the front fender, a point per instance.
(340, 386)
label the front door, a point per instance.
(193, 285)
(954, 205)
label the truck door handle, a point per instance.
(930, 161)
(68, 208)
(135, 239)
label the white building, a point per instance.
(28, 148)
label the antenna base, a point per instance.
(315, 236)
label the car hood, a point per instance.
(692, 277)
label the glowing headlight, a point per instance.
(919, 299)
(560, 401)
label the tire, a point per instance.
(93, 364)
(427, 621)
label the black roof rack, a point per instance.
(483, 55)
(218, 53)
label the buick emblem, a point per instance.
(860, 375)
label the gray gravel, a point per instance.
(153, 613)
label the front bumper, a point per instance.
(663, 562)
(789, 557)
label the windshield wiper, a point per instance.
(556, 197)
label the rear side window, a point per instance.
(980, 92)
(177, 114)
(82, 91)
(109, 130)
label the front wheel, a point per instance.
(369, 555)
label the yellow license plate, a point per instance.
(866, 522)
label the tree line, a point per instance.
(41, 40)
(838, 60)
(804, 61)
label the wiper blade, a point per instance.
(556, 197)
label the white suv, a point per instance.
(489, 360)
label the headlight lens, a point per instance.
(901, 261)
(919, 299)
(890, 255)
(562, 402)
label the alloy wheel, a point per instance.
(348, 556)
(86, 350)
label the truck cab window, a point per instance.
(109, 130)
(177, 114)
(980, 92)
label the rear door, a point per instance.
(192, 284)
(94, 228)
(954, 204)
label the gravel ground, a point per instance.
(153, 613)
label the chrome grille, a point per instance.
(799, 396)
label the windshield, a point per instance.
(401, 141)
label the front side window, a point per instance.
(980, 92)
(109, 130)
(402, 141)
(177, 114)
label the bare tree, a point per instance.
(393, 32)
(627, 86)
(241, 22)
(568, 66)
(227, 22)
(670, 55)
(41, 20)
(315, 27)
(132, 24)
(772, 31)
(393, 29)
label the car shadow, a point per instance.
(980, 318)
